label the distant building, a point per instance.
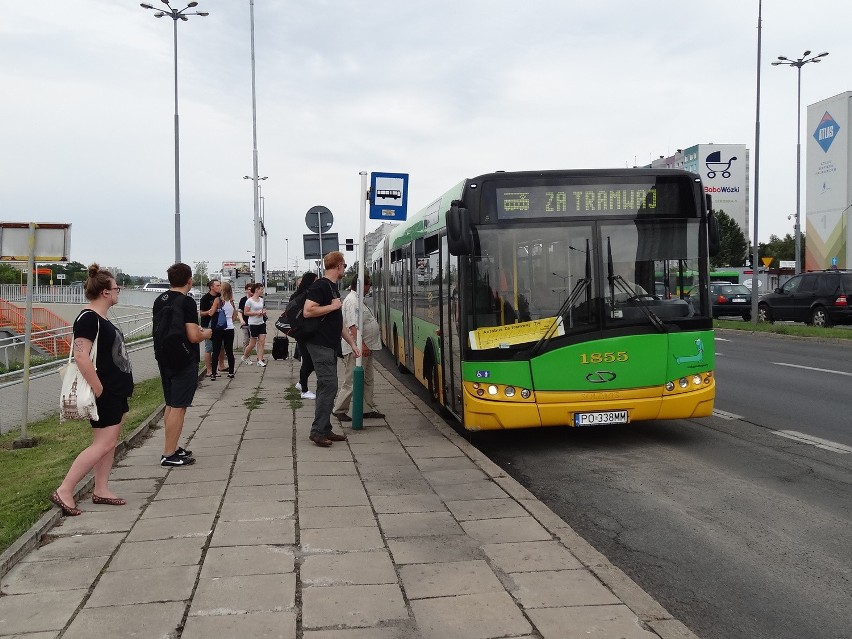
(828, 183)
(371, 241)
(724, 171)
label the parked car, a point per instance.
(819, 298)
(730, 299)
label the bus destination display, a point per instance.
(592, 199)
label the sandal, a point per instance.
(109, 501)
(70, 511)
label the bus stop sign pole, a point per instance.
(358, 371)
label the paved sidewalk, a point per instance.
(405, 531)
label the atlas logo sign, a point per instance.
(825, 132)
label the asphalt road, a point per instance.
(737, 531)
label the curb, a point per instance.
(31, 539)
(649, 611)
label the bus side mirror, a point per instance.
(459, 235)
(714, 238)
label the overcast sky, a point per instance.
(440, 90)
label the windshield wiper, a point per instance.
(616, 280)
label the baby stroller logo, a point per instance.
(715, 165)
(825, 131)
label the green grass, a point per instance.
(29, 475)
(795, 330)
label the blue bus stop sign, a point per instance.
(389, 196)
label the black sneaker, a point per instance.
(183, 453)
(176, 460)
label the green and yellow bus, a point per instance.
(530, 299)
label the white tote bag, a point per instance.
(77, 399)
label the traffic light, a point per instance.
(252, 263)
(350, 244)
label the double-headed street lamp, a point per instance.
(799, 63)
(175, 15)
(258, 226)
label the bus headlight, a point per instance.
(683, 382)
(525, 393)
(696, 379)
(509, 391)
(670, 386)
(492, 390)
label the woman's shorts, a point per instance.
(256, 330)
(111, 409)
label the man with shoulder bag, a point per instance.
(323, 301)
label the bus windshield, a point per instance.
(541, 281)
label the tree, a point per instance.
(734, 245)
(781, 249)
(200, 275)
(9, 274)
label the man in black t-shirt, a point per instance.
(323, 300)
(214, 290)
(179, 385)
(244, 329)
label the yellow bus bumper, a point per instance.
(558, 408)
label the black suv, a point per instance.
(819, 298)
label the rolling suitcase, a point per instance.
(280, 346)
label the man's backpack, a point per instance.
(171, 348)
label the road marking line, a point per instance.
(812, 368)
(725, 415)
(825, 444)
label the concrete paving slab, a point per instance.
(560, 588)
(391, 487)
(352, 606)
(492, 531)
(404, 632)
(454, 476)
(47, 576)
(422, 581)
(485, 509)
(38, 612)
(407, 503)
(277, 433)
(159, 553)
(182, 506)
(78, 547)
(418, 524)
(373, 567)
(335, 517)
(177, 527)
(191, 489)
(256, 510)
(253, 625)
(345, 496)
(128, 622)
(473, 490)
(443, 463)
(351, 538)
(244, 593)
(146, 471)
(262, 448)
(309, 468)
(34, 635)
(196, 473)
(91, 523)
(436, 449)
(171, 583)
(262, 478)
(247, 560)
(479, 616)
(531, 556)
(268, 463)
(277, 492)
(383, 459)
(252, 533)
(435, 549)
(592, 622)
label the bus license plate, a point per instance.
(607, 417)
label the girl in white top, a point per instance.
(225, 338)
(257, 325)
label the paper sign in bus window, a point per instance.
(511, 334)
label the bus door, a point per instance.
(407, 355)
(450, 331)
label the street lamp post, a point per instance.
(175, 15)
(799, 63)
(258, 223)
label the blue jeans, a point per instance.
(325, 366)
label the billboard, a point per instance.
(827, 183)
(724, 171)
